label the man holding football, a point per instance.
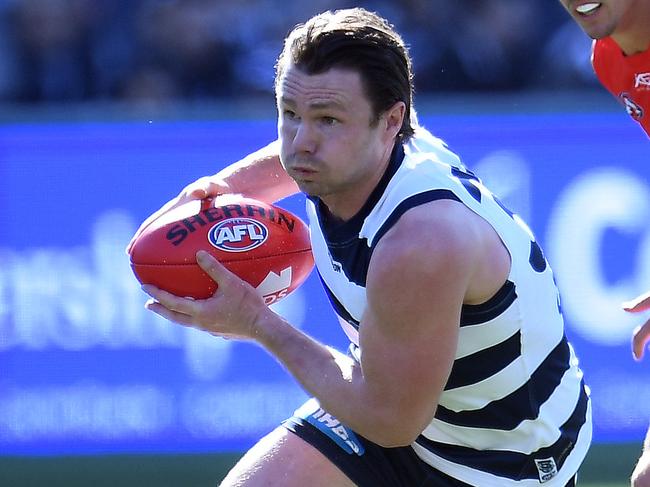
(458, 371)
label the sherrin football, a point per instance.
(265, 245)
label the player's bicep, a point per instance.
(409, 333)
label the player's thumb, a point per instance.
(213, 268)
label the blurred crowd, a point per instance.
(80, 50)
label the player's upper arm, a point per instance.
(417, 280)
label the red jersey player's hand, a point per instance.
(641, 334)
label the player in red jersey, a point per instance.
(621, 60)
(625, 76)
(621, 49)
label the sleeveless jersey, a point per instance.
(625, 77)
(515, 410)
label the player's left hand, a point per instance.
(232, 312)
(205, 187)
(641, 334)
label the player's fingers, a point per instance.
(203, 188)
(199, 193)
(217, 187)
(208, 187)
(168, 314)
(172, 302)
(640, 337)
(640, 303)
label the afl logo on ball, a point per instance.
(238, 234)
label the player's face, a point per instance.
(598, 18)
(329, 144)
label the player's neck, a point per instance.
(347, 202)
(633, 32)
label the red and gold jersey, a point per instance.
(626, 77)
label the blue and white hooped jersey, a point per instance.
(515, 410)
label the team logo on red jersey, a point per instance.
(642, 81)
(633, 108)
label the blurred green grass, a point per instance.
(607, 465)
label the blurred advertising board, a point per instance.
(84, 368)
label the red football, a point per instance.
(264, 244)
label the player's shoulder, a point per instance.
(432, 246)
(424, 145)
(440, 230)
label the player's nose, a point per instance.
(304, 139)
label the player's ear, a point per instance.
(394, 117)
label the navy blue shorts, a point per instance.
(364, 462)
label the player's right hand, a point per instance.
(641, 334)
(232, 312)
(205, 187)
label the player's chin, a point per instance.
(309, 187)
(594, 25)
(593, 32)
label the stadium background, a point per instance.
(108, 108)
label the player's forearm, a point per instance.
(334, 378)
(260, 175)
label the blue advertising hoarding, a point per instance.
(84, 368)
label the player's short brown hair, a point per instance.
(359, 40)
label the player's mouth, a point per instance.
(302, 172)
(586, 9)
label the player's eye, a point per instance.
(329, 120)
(290, 114)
